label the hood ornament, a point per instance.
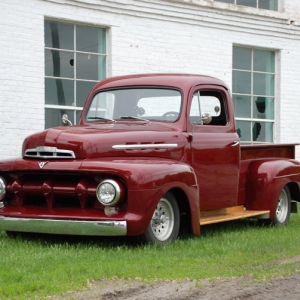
(42, 164)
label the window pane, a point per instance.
(251, 3)
(263, 84)
(241, 82)
(195, 110)
(136, 102)
(64, 86)
(103, 106)
(268, 4)
(59, 63)
(90, 39)
(78, 115)
(263, 108)
(244, 130)
(211, 105)
(242, 106)
(152, 107)
(82, 90)
(259, 104)
(59, 35)
(59, 91)
(90, 66)
(262, 131)
(53, 117)
(226, 1)
(242, 58)
(263, 61)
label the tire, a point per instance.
(283, 209)
(165, 222)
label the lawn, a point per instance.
(36, 266)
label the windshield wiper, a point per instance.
(134, 118)
(99, 118)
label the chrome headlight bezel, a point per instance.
(109, 186)
(2, 188)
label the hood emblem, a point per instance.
(42, 164)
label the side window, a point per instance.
(208, 108)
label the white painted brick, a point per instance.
(158, 36)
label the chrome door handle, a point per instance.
(235, 143)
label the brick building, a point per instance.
(54, 51)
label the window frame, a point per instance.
(75, 108)
(223, 108)
(252, 120)
(257, 4)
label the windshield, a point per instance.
(153, 104)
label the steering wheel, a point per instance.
(171, 113)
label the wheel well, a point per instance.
(184, 208)
(294, 190)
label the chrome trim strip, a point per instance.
(94, 228)
(144, 146)
(51, 150)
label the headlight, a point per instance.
(109, 192)
(2, 188)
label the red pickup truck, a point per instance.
(150, 153)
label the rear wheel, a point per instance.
(165, 222)
(283, 209)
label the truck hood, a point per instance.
(106, 140)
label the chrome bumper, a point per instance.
(96, 228)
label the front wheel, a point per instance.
(283, 209)
(165, 222)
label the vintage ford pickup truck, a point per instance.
(151, 152)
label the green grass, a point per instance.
(38, 266)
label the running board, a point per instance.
(229, 214)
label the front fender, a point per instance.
(266, 179)
(147, 180)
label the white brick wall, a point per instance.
(189, 36)
(21, 74)
(292, 7)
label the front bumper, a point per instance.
(93, 228)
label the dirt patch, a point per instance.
(287, 288)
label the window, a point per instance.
(207, 108)
(264, 4)
(253, 93)
(153, 104)
(75, 60)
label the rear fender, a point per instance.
(266, 179)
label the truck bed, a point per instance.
(260, 151)
(257, 151)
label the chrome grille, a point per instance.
(49, 191)
(48, 153)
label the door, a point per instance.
(215, 149)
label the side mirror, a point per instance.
(65, 120)
(206, 118)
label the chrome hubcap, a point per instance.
(282, 207)
(162, 222)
